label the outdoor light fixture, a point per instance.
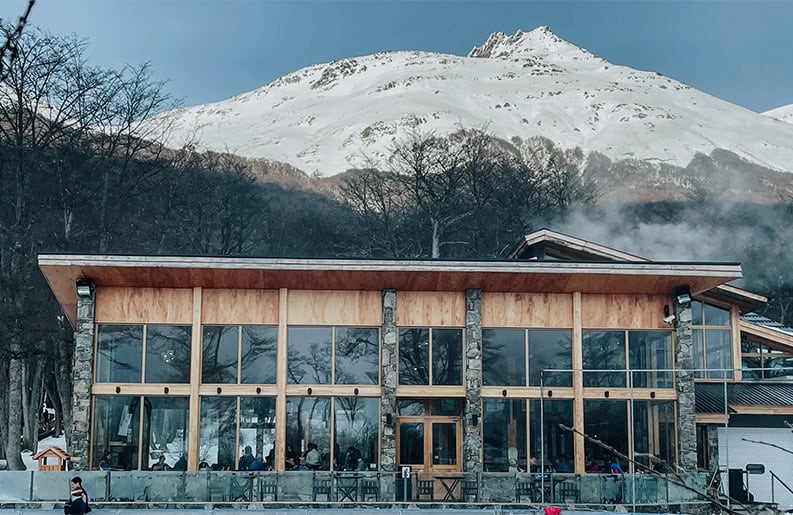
(84, 287)
(683, 296)
(474, 420)
(388, 418)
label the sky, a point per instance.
(210, 50)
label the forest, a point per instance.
(80, 172)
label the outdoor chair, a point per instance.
(370, 488)
(469, 490)
(425, 487)
(568, 491)
(523, 488)
(322, 487)
(268, 490)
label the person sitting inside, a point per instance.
(257, 463)
(313, 458)
(104, 463)
(354, 458)
(246, 459)
(160, 465)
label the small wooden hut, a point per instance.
(52, 458)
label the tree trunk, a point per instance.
(436, 239)
(16, 379)
(31, 407)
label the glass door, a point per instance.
(444, 446)
(429, 444)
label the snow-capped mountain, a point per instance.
(331, 117)
(783, 113)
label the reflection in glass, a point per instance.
(307, 421)
(503, 357)
(165, 431)
(356, 422)
(447, 356)
(444, 443)
(219, 355)
(218, 432)
(357, 355)
(257, 427)
(698, 341)
(411, 443)
(168, 354)
(654, 435)
(504, 428)
(719, 353)
(116, 431)
(447, 407)
(650, 350)
(308, 355)
(604, 350)
(119, 353)
(414, 348)
(557, 443)
(258, 354)
(410, 408)
(550, 349)
(696, 312)
(716, 316)
(606, 421)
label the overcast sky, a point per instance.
(209, 50)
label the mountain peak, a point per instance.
(538, 42)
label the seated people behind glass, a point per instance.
(313, 459)
(564, 465)
(354, 459)
(257, 463)
(181, 463)
(160, 465)
(615, 468)
(104, 462)
(246, 459)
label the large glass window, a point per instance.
(650, 351)
(334, 355)
(249, 349)
(447, 356)
(759, 361)
(712, 340)
(217, 438)
(119, 354)
(257, 431)
(355, 440)
(168, 354)
(165, 432)
(308, 432)
(504, 435)
(604, 357)
(503, 357)
(357, 352)
(309, 355)
(116, 432)
(606, 421)
(654, 435)
(549, 350)
(548, 439)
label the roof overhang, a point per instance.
(570, 245)
(745, 300)
(767, 334)
(63, 270)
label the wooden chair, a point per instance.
(425, 487)
(469, 490)
(268, 490)
(568, 491)
(523, 488)
(322, 487)
(370, 488)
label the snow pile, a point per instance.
(784, 113)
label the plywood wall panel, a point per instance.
(222, 306)
(430, 309)
(527, 310)
(307, 307)
(144, 305)
(624, 311)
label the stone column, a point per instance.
(684, 381)
(472, 419)
(388, 379)
(82, 377)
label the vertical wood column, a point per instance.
(280, 380)
(578, 385)
(735, 341)
(194, 417)
(472, 432)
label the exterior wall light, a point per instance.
(683, 296)
(85, 288)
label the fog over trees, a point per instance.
(77, 175)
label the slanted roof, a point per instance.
(545, 244)
(54, 451)
(745, 398)
(651, 278)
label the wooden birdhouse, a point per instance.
(52, 458)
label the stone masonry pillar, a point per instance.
(684, 381)
(388, 381)
(472, 419)
(82, 377)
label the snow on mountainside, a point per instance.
(784, 113)
(329, 117)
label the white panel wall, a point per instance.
(736, 452)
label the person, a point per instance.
(160, 465)
(615, 468)
(181, 463)
(271, 458)
(104, 462)
(246, 459)
(353, 458)
(78, 501)
(313, 457)
(257, 463)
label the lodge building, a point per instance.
(469, 366)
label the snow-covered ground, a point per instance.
(27, 456)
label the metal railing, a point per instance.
(775, 478)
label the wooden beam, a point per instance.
(280, 380)
(578, 386)
(194, 418)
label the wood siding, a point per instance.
(551, 310)
(430, 309)
(144, 305)
(356, 308)
(222, 306)
(623, 311)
